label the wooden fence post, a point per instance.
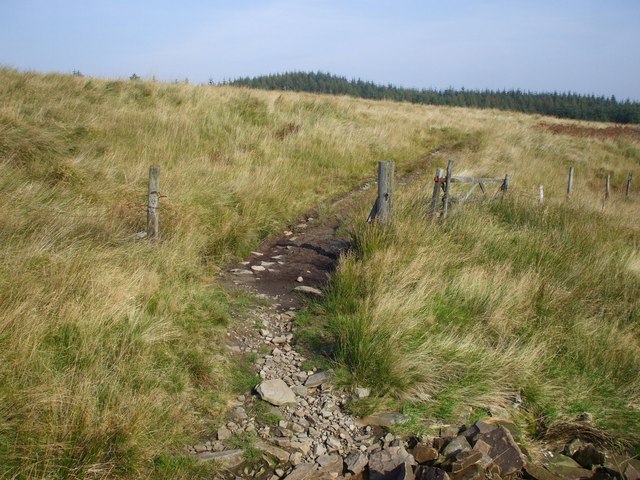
(382, 207)
(447, 189)
(607, 187)
(153, 206)
(436, 193)
(385, 191)
(505, 185)
(570, 183)
(628, 189)
(541, 197)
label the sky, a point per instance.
(586, 46)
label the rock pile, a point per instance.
(584, 460)
(313, 423)
(487, 449)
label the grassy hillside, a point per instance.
(507, 298)
(111, 354)
(503, 300)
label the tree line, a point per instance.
(563, 105)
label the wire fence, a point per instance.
(443, 195)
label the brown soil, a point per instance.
(610, 133)
(310, 249)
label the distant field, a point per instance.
(111, 354)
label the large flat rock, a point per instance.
(356, 461)
(567, 468)
(276, 392)
(383, 462)
(302, 472)
(319, 378)
(503, 450)
(276, 452)
(387, 419)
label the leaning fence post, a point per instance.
(570, 183)
(447, 188)
(607, 187)
(628, 189)
(153, 206)
(541, 195)
(436, 192)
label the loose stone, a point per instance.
(308, 290)
(318, 378)
(228, 458)
(362, 392)
(224, 434)
(276, 392)
(356, 462)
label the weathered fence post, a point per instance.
(447, 189)
(505, 185)
(541, 197)
(607, 187)
(385, 191)
(382, 208)
(436, 193)
(153, 206)
(628, 189)
(570, 183)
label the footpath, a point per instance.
(297, 418)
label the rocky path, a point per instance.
(311, 427)
(294, 425)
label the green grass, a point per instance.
(242, 376)
(505, 296)
(264, 413)
(112, 354)
(245, 441)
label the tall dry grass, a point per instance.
(111, 354)
(507, 297)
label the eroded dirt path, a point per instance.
(296, 417)
(294, 425)
(308, 251)
(305, 255)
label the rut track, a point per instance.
(309, 250)
(315, 425)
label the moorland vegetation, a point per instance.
(112, 354)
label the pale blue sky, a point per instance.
(584, 46)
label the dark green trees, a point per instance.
(564, 105)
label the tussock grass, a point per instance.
(111, 354)
(506, 297)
